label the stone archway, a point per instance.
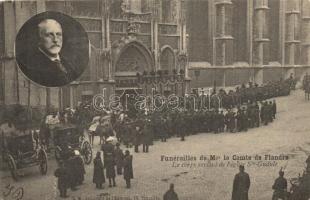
(131, 57)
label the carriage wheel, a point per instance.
(42, 157)
(57, 153)
(12, 167)
(87, 152)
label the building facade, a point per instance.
(214, 42)
(126, 37)
(236, 41)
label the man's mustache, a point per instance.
(55, 45)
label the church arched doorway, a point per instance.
(131, 58)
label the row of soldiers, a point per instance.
(162, 125)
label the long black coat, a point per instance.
(79, 168)
(62, 175)
(241, 186)
(119, 157)
(170, 195)
(280, 187)
(98, 176)
(128, 171)
(147, 135)
(109, 164)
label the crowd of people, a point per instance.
(71, 171)
(246, 107)
(145, 126)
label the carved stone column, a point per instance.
(260, 38)
(306, 35)
(222, 36)
(306, 31)
(292, 40)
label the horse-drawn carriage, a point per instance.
(100, 126)
(69, 137)
(23, 151)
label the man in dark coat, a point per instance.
(72, 172)
(147, 136)
(45, 64)
(171, 194)
(180, 126)
(239, 120)
(119, 158)
(274, 109)
(62, 174)
(128, 171)
(109, 162)
(241, 185)
(280, 187)
(110, 170)
(79, 168)
(137, 137)
(221, 121)
(98, 177)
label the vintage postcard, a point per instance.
(155, 99)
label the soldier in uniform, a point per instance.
(280, 187)
(241, 185)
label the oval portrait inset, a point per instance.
(52, 49)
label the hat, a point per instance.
(109, 139)
(76, 152)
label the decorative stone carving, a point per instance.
(130, 55)
(182, 59)
(106, 54)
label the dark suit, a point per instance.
(241, 186)
(40, 69)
